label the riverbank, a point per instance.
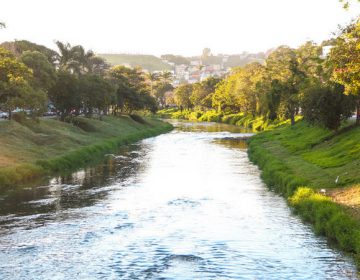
(317, 170)
(33, 149)
(240, 119)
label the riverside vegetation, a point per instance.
(313, 167)
(31, 149)
(310, 150)
(314, 162)
(93, 101)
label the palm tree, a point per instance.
(74, 58)
(65, 55)
(166, 77)
(152, 78)
(83, 58)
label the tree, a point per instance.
(160, 90)
(283, 68)
(201, 95)
(166, 77)
(15, 90)
(176, 59)
(18, 47)
(270, 98)
(65, 57)
(44, 74)
(2, 25)
(96, 93)
(65, 94)
(326, 105)
(345, 59)
(346, 3)
(182, 96)
(152, 78)
(224, 98)
(246, 88)
(132, 92)
(97, 65)
(310, 62)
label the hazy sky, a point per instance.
(173, 26)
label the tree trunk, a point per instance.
(10, 115)
(292, 118)
(358, 112)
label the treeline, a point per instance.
(74, 81)
(323, 87)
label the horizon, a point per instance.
(233, 28)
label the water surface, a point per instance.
(183, 205)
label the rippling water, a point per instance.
(184, 205)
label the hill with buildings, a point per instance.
(186, 69)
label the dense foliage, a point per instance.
(73, 81)
(323, 88)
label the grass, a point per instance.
(302, 163)
(31, 149)
(256, 124)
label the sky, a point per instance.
(181, 27)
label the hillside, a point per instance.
(318, 171)
(153, 63)
(31, 149)
(148, 62)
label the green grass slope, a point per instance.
(31, 149)
(149, 62)
(299, 161)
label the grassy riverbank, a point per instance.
(240, 119)
(318, 171)
(30, 149)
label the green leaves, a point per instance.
(345, 59)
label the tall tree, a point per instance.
(202, 92)
(96, 93)
(345, 59)
(160, 93)
(44, 74)
(15, 90)
(132, 92)
(75, 59)
(182, 96)
(65, 94)
(166, 77)
(152, 78)
(326, 105)
(283, 67)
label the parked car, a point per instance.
(4, 115)
(49, 114)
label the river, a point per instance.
(183, 205)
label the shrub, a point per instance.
(138, 119)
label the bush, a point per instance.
(327, 106)
(211, 116)
(328, 218)
(20, 117)
(138, 119)
(81, 123)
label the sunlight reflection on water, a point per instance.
(184, 205)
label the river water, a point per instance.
(183, 205)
